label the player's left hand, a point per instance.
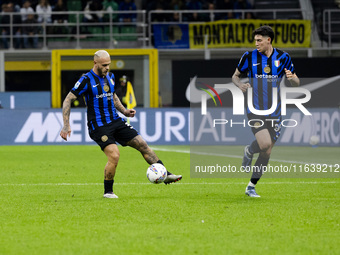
(130, 112)
(289, 74)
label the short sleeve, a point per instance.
(80, 87)
(111, 77)
(289, 64)
(243, 63)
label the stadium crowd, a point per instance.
(193, 5)
(46, 11)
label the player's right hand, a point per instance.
(65, 132)
(130, 113)
(244, 87)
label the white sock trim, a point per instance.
(251, 184)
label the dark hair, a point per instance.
(264, 31)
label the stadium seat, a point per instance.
(279, 4)
(74, 5)
(124, 30)
(115, 32)
(319, 6)
(95, 30)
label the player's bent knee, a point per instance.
(112, 154)
(114, 157)
(265, 154)
(264, 147)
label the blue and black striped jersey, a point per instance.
(98, 93)
(264, 74)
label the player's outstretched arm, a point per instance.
(237, 81)
(119, 106)
(66, 130)
(292, 78)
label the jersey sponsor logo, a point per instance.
(104, 95)
(266, 76)
(95, 85)
(256, 64)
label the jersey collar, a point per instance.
(96, 74)
(270, 54)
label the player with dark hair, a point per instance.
(105, 126)
(265, 66)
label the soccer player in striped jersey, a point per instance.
(265, 67)
(104, 125)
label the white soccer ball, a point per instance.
(156, 173)
(314, 140)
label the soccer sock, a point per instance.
(254, 147)
(108, 186)
(251, 184)
(160, 162)
(257, 169)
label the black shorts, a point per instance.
(117, 131)
(272, 124)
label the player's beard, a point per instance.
(100, 72)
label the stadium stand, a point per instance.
(279, 4)
(327, 20)
(135, 30)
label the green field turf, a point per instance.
(51, 203)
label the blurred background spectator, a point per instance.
(176, 5)
(58, 18)
(160, 16)
(210, 16)
(224, 5)
(192, 5)
(127, 5)
(44, 11)
(242, 5)
(60, 6)
(93, 6)
(159, 6)
(16, 4)
(30, 33)
(110, 5)
(26, 7)
(5, 31)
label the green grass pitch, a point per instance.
(51, 203)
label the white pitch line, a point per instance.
(180, 183)
(236, 156)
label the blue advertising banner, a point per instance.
(171, 126)
(25, 100)
(171, 36)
